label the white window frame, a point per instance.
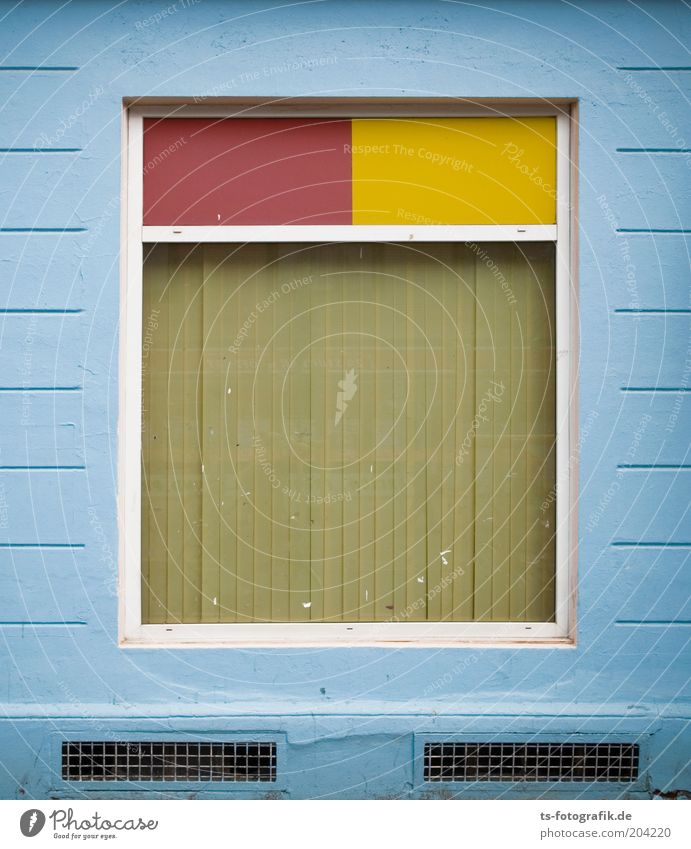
(399, 634)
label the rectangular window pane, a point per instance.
(348, 433)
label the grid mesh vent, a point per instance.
(107, 761)
(531, 762)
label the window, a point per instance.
(345, 417)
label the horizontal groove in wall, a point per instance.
(43, 229)
(42, 468)
(652, 231)
(39, 311)
(32, 150)
(653, 623)
(651, 311)
(664, 467)
(632, 544)
(40, 388)
(656, 389)
(76, 623)
(662, 150)
(653, 68)
(44, 545)
(41, 68)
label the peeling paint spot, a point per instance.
(673, 794)
(421, 580)
(307, 604)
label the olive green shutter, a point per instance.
(348, 433)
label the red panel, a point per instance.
(207, 171)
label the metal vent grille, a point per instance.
(148, 761)
(531, 762)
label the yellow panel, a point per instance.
(454, 171)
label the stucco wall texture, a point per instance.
(350, 721)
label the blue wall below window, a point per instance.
(347, 718)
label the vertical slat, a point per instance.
(518, 398)
(212, 383)
(230, 261)
(534, 460)
(464, 460)
(148, 519)
(541, 404)
(319, 425)
(278, 452)
(400, 385)
(191, 341)
(261, 417)
(482, 435)
(500, 401)
(176, 424)
(298, 428)
(547, 598)
(430, 275)
(333, 446)
(154, 438)
(362, 406)
(349, 257)
(416, 411)
(383, 263)
(246, 317)
(450, 360)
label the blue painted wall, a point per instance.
(350, 720)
